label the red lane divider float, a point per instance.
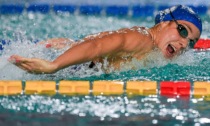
(202, 44)
(177, 88)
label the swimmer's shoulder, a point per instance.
(137, 28)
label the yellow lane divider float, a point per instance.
(74, 87)
(10, 87)
(200, 89)
(108, 87)
(141, 87)
(40, 87)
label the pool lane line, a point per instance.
(198, 89)
(112, 10)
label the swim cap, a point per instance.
(180, 12)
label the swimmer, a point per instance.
(174, 29)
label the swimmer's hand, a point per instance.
(33, 65)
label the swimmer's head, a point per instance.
(179, 12)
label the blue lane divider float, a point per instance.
(39, 8)
(139, 11)
(117, 10)
(11, 9)
(113, 10)
(162, 7)
(64, 8)
(90, 9)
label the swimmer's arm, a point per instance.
(83, 52)
(90, 50)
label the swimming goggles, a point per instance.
(183, 32)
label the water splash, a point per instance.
(189, 66)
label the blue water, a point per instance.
(21, 32)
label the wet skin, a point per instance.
(117, 46)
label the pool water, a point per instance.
(21, 33)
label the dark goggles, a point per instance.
(183, 32)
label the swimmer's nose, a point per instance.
(183, 46)
(184, 43)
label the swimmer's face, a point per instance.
(170, 40)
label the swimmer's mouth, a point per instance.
(171, 50)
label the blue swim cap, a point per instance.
(180, 12)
